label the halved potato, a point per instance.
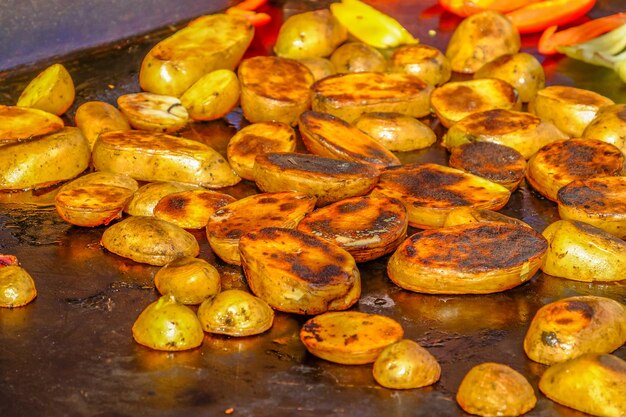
(274, 89)
(524, 132)
(423, 61)
(561, 162)
(396, 132)
(190, 280)
(350, 337)
(153, 112)
(319, 67)
(52, 90)
(151, 156)
(430, 191)
(592, 383)
(209, 43)
(464, 215)
(367, 227)
(609, 125)
(147, 196)
(568, 108)
(522, 70)
(191, 209)
(212, 96)
(327, 179)
(475, 258)
(347, 96)
(405, 365)
(497, 163)
(228, 224)
(570, 327)
(257, 139)
(358, 57)
(326, 135)
(600, 202)
(95, 117)
(453, 101)
(20, 123)
(149, 240)
(17, 287)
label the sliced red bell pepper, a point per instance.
(550, 40)
(539, 16)
(250, 4)
(469, 7)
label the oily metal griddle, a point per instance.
(71, 352)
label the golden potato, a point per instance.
(190, 280)
(405, 365)
(20, 123)
(191, 209)
(153, 112)
(464, 215)
(95, 117)
(319, 67)
(52, 90)
(358, 57)
(423, 61)
(213, 96)
(147, 196)
(522, 70)
(395, 131)
(17, 287)
(609, 125)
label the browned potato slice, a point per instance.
(358, 57)
(235, 313)
(598, 201)
(567, 328)
(592, 383)
(348, 96)
(475, 258)
(350, 337)
(212, 96)
(430, 191)
(464, 215)
(191, 209)
(479, 39)
(151, 156)
(147, 196)
(17, 287)
(522, 70)
(561, 162)
(524, 132)
(95, 117)
(44, 161)
(326, 135)
(494, 389)
(609, 126)
(327, 179)
(367, 227)
(190, 280)
(570, 109)
(299, 273)
(228, 224)
(497, 163)
(455, 100)
(396, 132)
(168, 325)
(52, 90)
(319, 67)
(208, 43)
(405, 365)
(153, 112)
(274, 89)
(257, 139)
(149, 240)
(423, 61)
(19, 123)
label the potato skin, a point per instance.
(17, 287)
(609, 126)
(396, 131)
(23, 123)
(212, 96)
(423, 61)
(190, 280)
(358, 57)
(95, 117)
(522, 70)
(406, 365)
(147, 197)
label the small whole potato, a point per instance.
(609, 125)
(212, 96)
(395, 131)
(523, 71)
(404, 365)
(190, 280)
(17, 287)
(319, 67)
(358, 57)
(426, 62)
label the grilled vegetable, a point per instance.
(358, 57)
(191, 209)
(153, 112)
(537, 16)
(17, 287)
(52, 91)
(212, 96)
(190, 280)
(319, 67)
(423, 61)
(350, 337)
(609, 126)
(405, 365)
(464, 215)
(146, 198)
(20, 123)
(395, 131)
(96, 117)
(522, 70)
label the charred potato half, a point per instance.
(20, 123)
(395, 131)
(147, 196)
(522, 70)
(153, 112)
(191, 209)
(423, 61)
(464, 215)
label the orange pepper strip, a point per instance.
(469, 7)
(257, 19)
(537, 17)
(250, 4)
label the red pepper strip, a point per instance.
(578, 34)
(469, 7)
(257, 19)
(250, 4)
(539, 16)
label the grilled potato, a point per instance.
(350, 337)
(561, 162)
(52, 90)
(570, 327)
(95, 117)
(609, 126)
(455, 100)
(299, 273)
(430, 191)
(17, 287)
(235, 313)
(494, 389)
(522, 70)
(327, 179)
(44, 161)
(481, 38)
(367, 227)
(228, 224)
(497, 163)
(153, 112)
(423, 61)
(274, 89)
(212, 96)
(326, 135)
(319, 67)
(524, 132)
(395, 131)
(190, 280)
(348, 96)
(358, 57)
(600, 202)
(146, 197)
(405, 365)
(151, 156)
(20, 123)
(208, 43)
(149, 240)
(464, 215)
(592, 383)
(191, 209)
(476, 258)
(570, 109)
(257, 139)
